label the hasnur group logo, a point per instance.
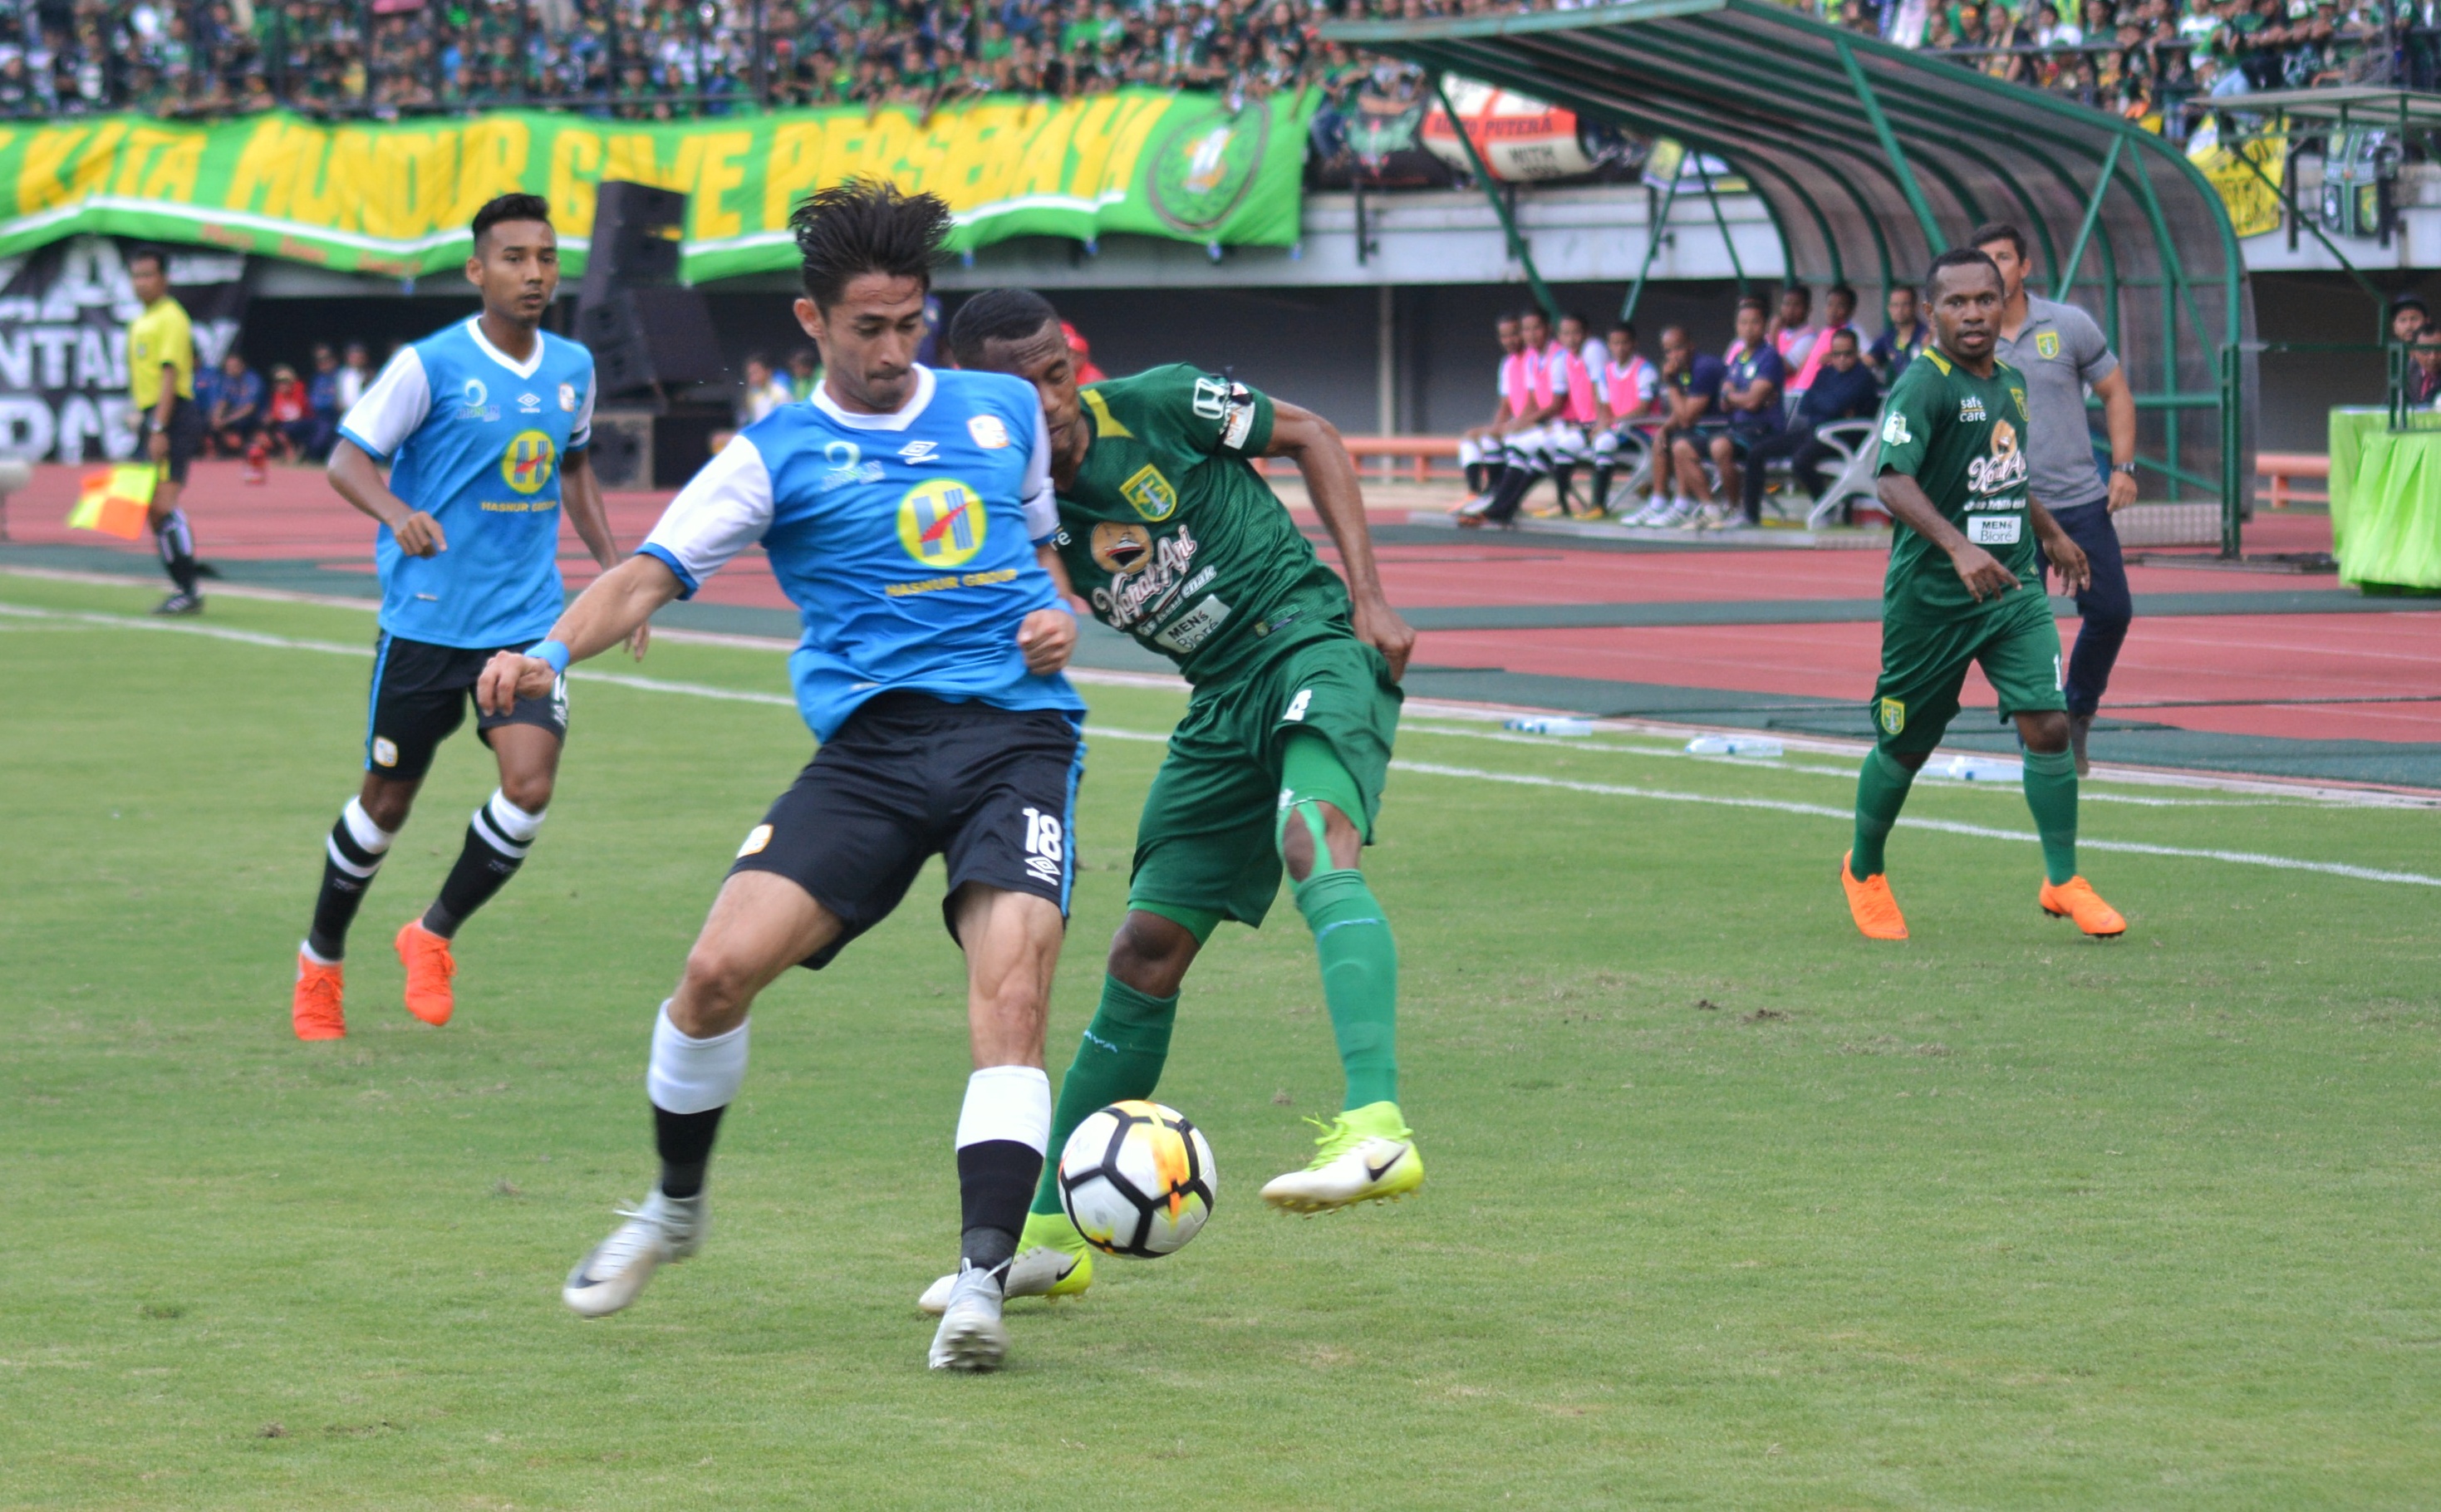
(525, 466)
(940, 522)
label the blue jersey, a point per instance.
(906, 541)
(477, 442)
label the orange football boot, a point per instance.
(2075, 899)
(1869, 902)
(429, 966)
(315, 1008)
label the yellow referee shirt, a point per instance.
(160, 338)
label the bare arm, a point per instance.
(580, 495)
(1047, 638)
(1314, 444)
(358, 479)
(610, 610)
(2067, 557)
(1910, 506)
(2119, 418)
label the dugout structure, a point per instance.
(1872, 160)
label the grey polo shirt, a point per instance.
(2060, 350)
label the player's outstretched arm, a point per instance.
(1910, 505)
(358, 479)
(1312, 443)
(611, 610)
(2067, 557)
(580, 495)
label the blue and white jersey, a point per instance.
(906, 540)
(475, 441)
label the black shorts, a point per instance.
(990, 790)
(420, 695)
(185, 436)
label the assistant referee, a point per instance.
(2063, 353)
(161, 381)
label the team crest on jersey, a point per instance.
(2046, 344)
(1893, 714)
(1151, 494)
(1121, 548)
(989, 432)
(2018, 396)
(568, 399)
(940, 522)
(526, 465)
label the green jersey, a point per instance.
(1170, 534)
(1963, 439)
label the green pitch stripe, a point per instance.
(111, 622)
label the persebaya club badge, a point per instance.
(2046, 344)
(1893, 716)
(1205, 164)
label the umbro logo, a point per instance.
(920, 451)
(528, 403)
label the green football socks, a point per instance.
(1119, 1057)
(1359, 979)
(1881, 792)
(2051, 792)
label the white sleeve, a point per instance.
(392, 406)
(580, 431)
(722, 510)
(1041, 505)
(1500, 382)
(1559, 371)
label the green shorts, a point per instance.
(1925, 660)
(1206, 840)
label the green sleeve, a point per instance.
(1214, 415)
(1908, 417)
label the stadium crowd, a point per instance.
(664, 59)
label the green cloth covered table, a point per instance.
(2385, 500)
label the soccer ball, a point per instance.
(1137, 1180)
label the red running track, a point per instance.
(295, 515)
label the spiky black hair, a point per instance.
(866, 226)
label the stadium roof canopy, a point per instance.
(1872, 158)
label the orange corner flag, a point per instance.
(115, 500)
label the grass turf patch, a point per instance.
(1726, 1206)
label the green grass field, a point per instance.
(1728, 1207)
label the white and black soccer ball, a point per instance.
(1137, 1180)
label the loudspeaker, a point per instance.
(640, 337)
(635, 233)
(623, 447)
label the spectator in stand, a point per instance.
(322, 397)
(765, 391)
(355, 375)
(1903, 337)
(1792, 331)
(1086, 371)
(2424, 371)
(804, 372)
(234, 414)
(290, 414)
(2408, 317)
(1844, 390)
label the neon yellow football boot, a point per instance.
(1365, 1155)
(1052, 1260)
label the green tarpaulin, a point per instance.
(395, 199)
(2385, 501)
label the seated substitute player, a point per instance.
(483, 427)
(1964, 585)
(1282, 754)
(901, 510)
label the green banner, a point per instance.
(395, 199)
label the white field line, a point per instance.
(2341, 795)
(2282, 863)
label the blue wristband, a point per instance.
(552, 652)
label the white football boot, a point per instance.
(972, 1336)
(1036, 1272)
(663, 1231)
(1365, 1155)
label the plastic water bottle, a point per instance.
(1733, 745)
(1549, 725)
(1980, 770)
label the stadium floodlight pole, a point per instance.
(1890, 149)
(2092, 216)
(1543, 295)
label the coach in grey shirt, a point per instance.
(2063, 353)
